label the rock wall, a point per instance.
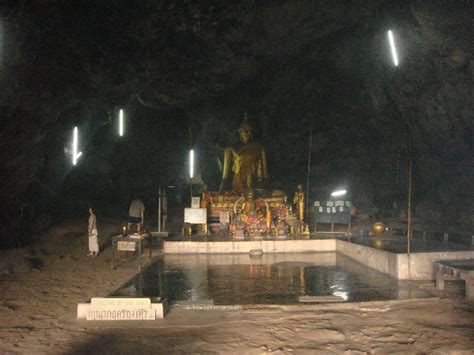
(186, 73)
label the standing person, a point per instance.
(135, 214)
(92, 231)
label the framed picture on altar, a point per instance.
(196, 202)
(224, 217)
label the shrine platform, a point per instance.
(417, 265)
(245, 246)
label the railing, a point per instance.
(438, 233)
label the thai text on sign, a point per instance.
(126, 246)
(121, 314)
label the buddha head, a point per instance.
(249, 195)
(245, 130)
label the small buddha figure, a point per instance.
(246, 162)
(298, 200)
(249, 204)
(250, 209)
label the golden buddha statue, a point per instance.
(246, 161)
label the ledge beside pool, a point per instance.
(393, 264)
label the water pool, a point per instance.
(230, 279)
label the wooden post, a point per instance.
(309, 164)
(409, 212)
(113, 253)
(159, 210)
(138, 248)
(164, 211)
(350, 223)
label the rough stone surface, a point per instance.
(190, 67)
(38, 312)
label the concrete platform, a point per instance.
(455, 270)
(416, 266)
(245, 246)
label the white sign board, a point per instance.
(195, 215)
(126, 246)
(115, 308)
(120, 309)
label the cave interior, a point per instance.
(185, 73)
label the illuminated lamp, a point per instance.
(191, 163)
(121, 123)
(393, 48)
(338, 193)
(75, 154)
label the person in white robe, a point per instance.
(93, 235)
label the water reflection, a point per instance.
(270, 279)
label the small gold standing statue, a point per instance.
(206, 198)
(298, 200)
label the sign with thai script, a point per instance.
(337, 212)
(195, 215)
(126, 246)
(120, 309)
(120, 302)
(96, 313)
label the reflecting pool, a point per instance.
(268, 279)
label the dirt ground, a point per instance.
(38, 308)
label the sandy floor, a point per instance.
(37, 312)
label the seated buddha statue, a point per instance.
(245, 163)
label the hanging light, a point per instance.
(121, 123)
(338, 193)
(75, 154)
(393, 48)
(191, 163)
